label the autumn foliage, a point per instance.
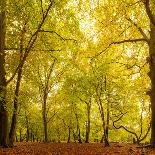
(29, 148)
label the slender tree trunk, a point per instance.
(78, 128)
(152, 78)
(31, 136)
(107, 123)
(19, 77)
(14, 117)
(103, 125)
(44, 105)
(88, 123)
(106, 139)
(16, 138)
(45, 119)
(27, 134)
(79, 136)
(101, 141)
(106, 129)
(20, 135)
(27, 128)
(74, 136)
(69, 134)
(3, 110)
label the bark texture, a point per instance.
(152, 78)
(3, 84)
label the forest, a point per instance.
(77, 71)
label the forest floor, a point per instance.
(34, 148)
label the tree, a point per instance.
(46, 87)
(151, 44)
(127, 37)
(3, 82)
(23, 56)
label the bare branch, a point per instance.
(149, 12)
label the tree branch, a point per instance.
(33, 37)
(14, 74)
(31, 42)
(149, 12)
(121, 126)
(49, 31)
(146, 133)
(44, 50)
(47, 80)
(52, 116)
(139, 29)
(121, 42)
(129, 41)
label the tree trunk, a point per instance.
(14, 117)
(79, 136)
(104, 125)
(16, 138)
(104, 137)
(27, 128)
(101, 141)
(108, 112)
(74, 136)
(69, 134)
(31, 136)
(78, 128)
(45, 119)
(88, 123)
(106, 141)
(45, 129)
(152, 78)
(20, 135)
(44, 105)
(3, 110)
(19, 77)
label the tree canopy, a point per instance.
(77, 70)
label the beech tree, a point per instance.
(3, 81)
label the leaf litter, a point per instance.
(36, 148)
